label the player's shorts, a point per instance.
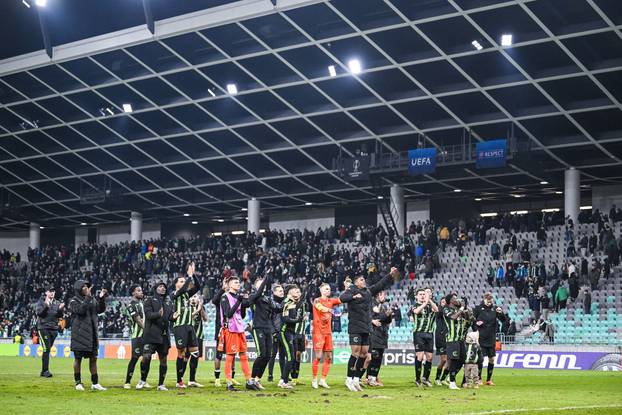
(488, 351)
(79, 354)
(424, 342)
(233, 342)
(323, 342)
(359, 339)
(160, 348)
(456, 351)
(185, 336)
(441, 344)
(137, 347)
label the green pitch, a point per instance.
(517, 391)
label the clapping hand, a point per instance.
(395, 273)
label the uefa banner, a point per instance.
(421, 161)
(356, 169)
(491, 154)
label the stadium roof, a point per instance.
(433, 70)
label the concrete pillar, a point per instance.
(253, 216)
(572, 193)
(81, 236)
(35, 235)
(397, 207)
(136, 226)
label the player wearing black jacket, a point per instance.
(262, 306)
(359, 298)
(278, 294)
(381, 318)
(84, 324)
(48, 312)
(486, 315)
(156, 338)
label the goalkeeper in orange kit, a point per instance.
(322, 334)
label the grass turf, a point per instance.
(517, 391)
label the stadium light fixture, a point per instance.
(544, 182)
(518, 196)
(216, 233)
(127, 108)
(488, 215)
(43, 227)
(232, 89)
(308, 203)
(186, 214)
(457, 190)
(550, 210)
(478, 199)
(41, 3)
(332, 71)
(194, 222)
(585, 208)
(355, 66)
(25, 3)
(380, 197)
(238, 233)
(559, 192)
(220, 220)
(506, 40)
(477, 45)
(244, 209)
(83, 223)
(518, 212)
(262, 231)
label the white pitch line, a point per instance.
(563, 408)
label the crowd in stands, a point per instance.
(551, 286)
(309, 258)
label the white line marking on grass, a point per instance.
(563, 408)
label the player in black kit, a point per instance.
(199, 316)
(423, 317)
(136, 314)
(185, 337)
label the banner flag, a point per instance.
(491, 154)
(422, 161)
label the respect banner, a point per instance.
(491, 154)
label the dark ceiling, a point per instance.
(191, 147)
